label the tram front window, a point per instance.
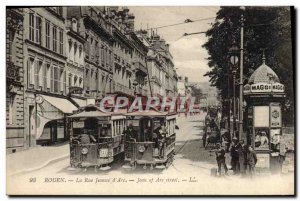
(85, 137)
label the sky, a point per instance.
(189, 57)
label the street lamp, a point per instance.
(234, 59)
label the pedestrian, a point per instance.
(234, 156)
(220, 157)
(130, 133)
(242, 151)
(226, 140)
(161, 143)
(251, 160)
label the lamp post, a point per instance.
(241, 102)
(234, 59)
(229, 98)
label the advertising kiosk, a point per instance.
(264, 95)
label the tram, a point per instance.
(96, 138)
(150, 139)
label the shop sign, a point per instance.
(75, 90)
(264, 88)
(260, 87)
(78, 124)
(275, 116)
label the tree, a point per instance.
(266, 29)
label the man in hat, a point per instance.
(234, 156)
(130, 133)
(242, 152)
(220, 157)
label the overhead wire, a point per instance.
(176, 24)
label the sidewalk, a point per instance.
(35, 158)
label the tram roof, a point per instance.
(150, 113)
(96, 112)
(90, 114)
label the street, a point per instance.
(192, 165)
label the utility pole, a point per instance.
(241, 77)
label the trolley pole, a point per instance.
(241, 78)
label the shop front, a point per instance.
(50, 121)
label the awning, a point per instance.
(62, 104)
(80, 102)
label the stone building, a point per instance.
(46, 100)
(163, 76)
(75, 59)
(121, 22)
(98, 49)
(139, 63)
(15, 135)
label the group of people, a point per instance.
(243, 158)
(158, 136)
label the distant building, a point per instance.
(210, 94)
(181, 85)
(162, 74)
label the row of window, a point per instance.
(46, 76)
(54, 37)
(124, 53)
(94, 80)
(98, 51)
(75, 51)
(74, 80)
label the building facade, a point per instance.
(162, 74)
(46, 95)
(98, 51)
(15, 125)
(123, 51)
(75, 53)
(181, 85)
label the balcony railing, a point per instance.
(117, 87)
(139, 66)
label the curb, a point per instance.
(54, 160)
